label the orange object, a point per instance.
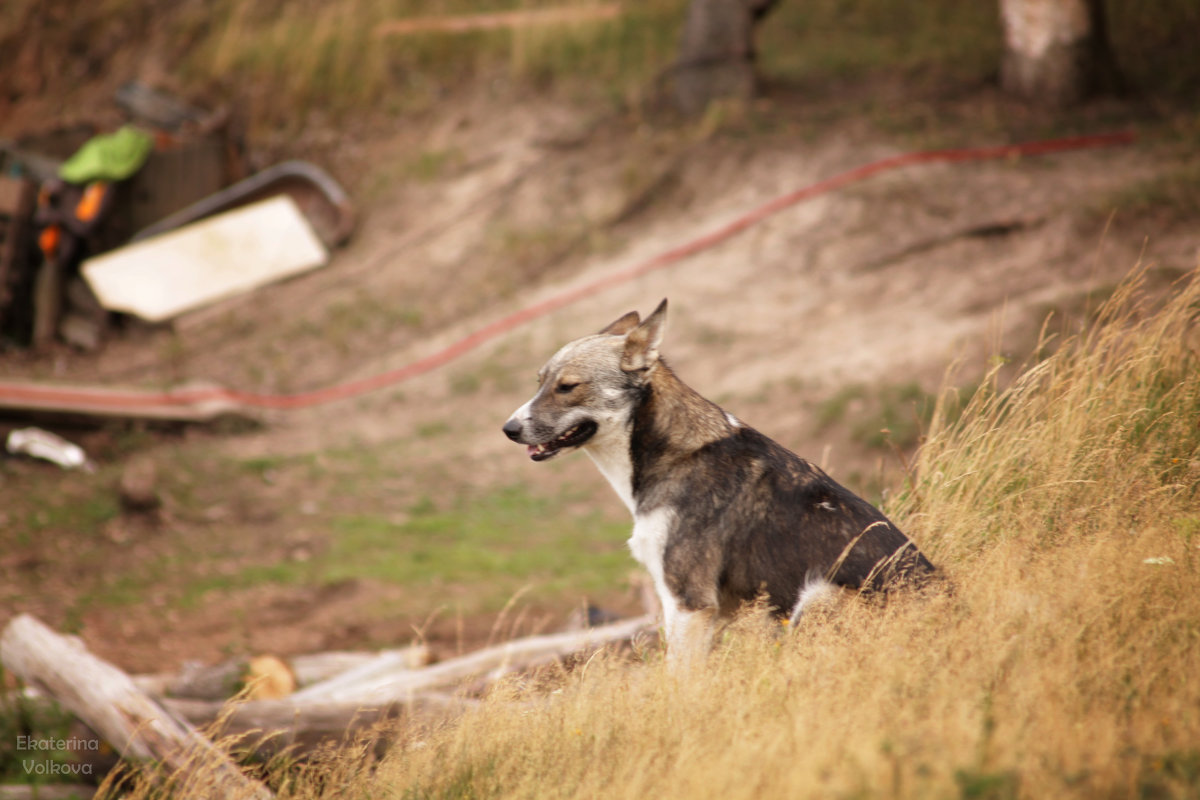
(48, 240)
(93, 197)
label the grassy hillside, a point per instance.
(1063, 506)
(1061, 663)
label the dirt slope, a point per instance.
(489, 207)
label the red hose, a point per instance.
(93, 398)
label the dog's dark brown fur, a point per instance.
(757, 517)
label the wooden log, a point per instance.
(267, 727)
(107, 700)
(258, 678)
(222, 681)
(196, 681)
(317, 667)
(385, 680)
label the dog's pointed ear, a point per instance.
(624, 325)
(641, 344)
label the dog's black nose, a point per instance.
(512, 429)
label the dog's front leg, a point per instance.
(689, 635)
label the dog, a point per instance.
(722, 514)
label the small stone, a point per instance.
(139, 485)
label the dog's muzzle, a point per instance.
(574, 437)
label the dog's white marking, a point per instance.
(609, 450)
(611, 457)
(825, 504)
(648, 542)
(814, 590)
(734, 421)
(689, 633)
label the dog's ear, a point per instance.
(641, 345)
(624, 325)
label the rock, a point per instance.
(138, 487)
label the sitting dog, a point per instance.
(722, 514)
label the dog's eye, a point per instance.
(565, 388)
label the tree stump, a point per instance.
(716, 54)
(1056, 52)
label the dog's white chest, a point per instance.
(649, 540)
(611, 456)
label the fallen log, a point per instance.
(222, 681)
(258, 678)
(386, 680)
(317, 667)
(108, 701)
(267, 727)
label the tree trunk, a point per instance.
(270, 727)
(716, 54)
(1056, 52)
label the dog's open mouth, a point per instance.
(574, 437)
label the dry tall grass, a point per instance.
(1065, 661)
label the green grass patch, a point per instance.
(36, 742)
(77, 506)
(491, 544)
(505, 540)
(334, 57)
(86, 513)
(292, 64)
(850, 39)
(880, 417)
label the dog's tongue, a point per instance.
(533, 450)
